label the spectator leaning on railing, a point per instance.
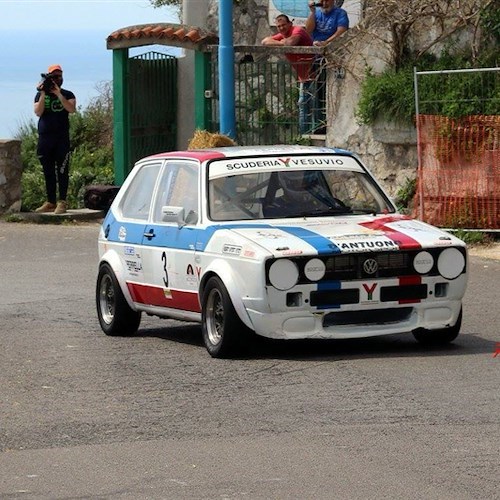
(290, 35)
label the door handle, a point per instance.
(150, 234)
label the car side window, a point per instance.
(178, 187)
(137, 201)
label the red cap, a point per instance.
(54, 67)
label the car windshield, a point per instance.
(245, 189)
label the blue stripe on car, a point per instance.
(323, 245)
(184, 238)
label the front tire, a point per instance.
(116, 317)
(223, 331)
(438, 337)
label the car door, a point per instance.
(134, 211)
(169, 247)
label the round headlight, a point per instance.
(451, 263)
(423, 262)
(283, 274)
(314, 269)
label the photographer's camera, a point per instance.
(47, 83)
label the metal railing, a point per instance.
(267, 95)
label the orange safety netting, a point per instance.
(458, 182)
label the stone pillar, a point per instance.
(194, 14)
(10, 176)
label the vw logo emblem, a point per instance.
(370, 266)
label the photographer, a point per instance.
(53, 105)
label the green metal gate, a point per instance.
(152, 91)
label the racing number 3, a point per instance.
(164, 260)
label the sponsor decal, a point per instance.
(368, 245)
(134, 267)
(423, 262)
(369, 290)
(122, 233)
(193, 274)
(284, 162)
(314, 269)
(291, 252)
(268, 235)
(249, 253)
(359, 236)
(129, 250)
(442, 243)
(167, 293)
(231, 249)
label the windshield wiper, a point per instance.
(364, 211)
(318, 212)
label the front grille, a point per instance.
(371, 317)
(364, 266)
(348, 267)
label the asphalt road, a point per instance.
(83, 415)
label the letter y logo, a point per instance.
(369, 290)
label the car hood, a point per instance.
(345, 235)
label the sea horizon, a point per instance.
(83, 55)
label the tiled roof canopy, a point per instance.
(174, 35)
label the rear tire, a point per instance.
(224, 334)
(438, 337)
(116, 317)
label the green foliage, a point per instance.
(91, 153)
(390, 95)
(473, 237)
(490, 23)
(405, 195)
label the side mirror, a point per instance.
(172, 214)
(178, 215)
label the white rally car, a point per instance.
(288, 242)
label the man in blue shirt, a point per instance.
(326, 22)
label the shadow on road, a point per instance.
(390, 346)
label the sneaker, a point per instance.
(46, 207)
(61, 208)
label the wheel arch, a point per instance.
(223, 271)
(113, 260)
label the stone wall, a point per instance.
(10, 176)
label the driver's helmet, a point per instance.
(292, 181)
(296, 184)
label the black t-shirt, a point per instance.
(55, 119)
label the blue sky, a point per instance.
(93, 15)
(37, 33)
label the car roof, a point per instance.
(238, 151)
